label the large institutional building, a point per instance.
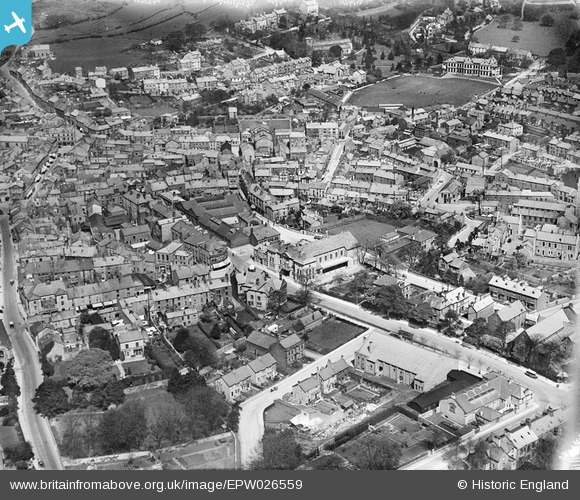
(473, 66)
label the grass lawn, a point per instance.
(539, 40)
(332, 334)
(420, 91)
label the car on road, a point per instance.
(531, 374)
(11, 324)
(12, 282)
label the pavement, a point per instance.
(35, 428)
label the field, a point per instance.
(332, 334)
(420, 91)
(539, 40)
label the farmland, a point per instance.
(420, 91)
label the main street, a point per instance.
(333, 162)
(35, 428)
(547, 393)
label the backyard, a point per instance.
(332, 334)
(420, 91)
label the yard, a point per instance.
(539, 40)
(332, 334)
(420, 91)
(364, 230)
(413, 438)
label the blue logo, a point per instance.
(15, 22)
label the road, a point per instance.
(463, 235)
(36, 429)
(441, 179)
(333, 162)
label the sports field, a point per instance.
(420, 91)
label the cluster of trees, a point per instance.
(532, 352)
(189, 410)
(280, 451)
(373, 452)
(197, 349)
(89, 382)
(178, 40)
(390, 303)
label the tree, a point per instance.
(556, 57)
(450, 323)
(109, 394)
(304, 295)
(547, 20)
(317, 58)
(196, 31)
(477, 330)
(329, 462)
(400, 210)
(477, 457)
(123, 429)
(517, 24)
(521, 260)
(275, 300)
(335, 51)
(167, 422)
(391, 56)
(376, 453)
(100, 338)
(50, 399)
(72, 441)
(421, 314)
(200, 352)
(456, 457)
(179, 385)
(411, 253)
(175, 41)
(503, 20)
(390, 302)
(280, 451)
(205, 410)
(19, 453)
(8, 381)
(383, 55)
(90, 368)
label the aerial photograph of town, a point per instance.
(290, 235)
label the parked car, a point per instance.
(531, 374)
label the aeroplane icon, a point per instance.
(17, 23)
